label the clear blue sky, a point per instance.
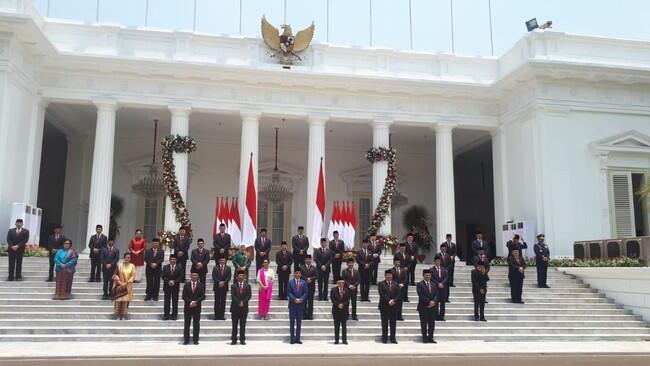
(349, 20)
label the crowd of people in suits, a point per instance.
(299, 275)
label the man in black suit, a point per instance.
(262, 249)
(375, 250)
(516, 243)
(405, 259)
(153, 259)
(283, 260)
(299, 245)
(16, 240)
(427, 300)
(309, 274)
(222, 243)
(401, 277)
(365, 262)
(108, 258)
(542, 256)
(221, 275)
(340, 298)
(172, 276)
(477, 244)
(96, 243)
(54, 243)
(452, 250)
(200, 258)
(411, 260)
(193, 296)
(240, 293)
(446, 263)
(323, 259)
(389, 299)
(479, 290)
(182, 243)
(337, 246)
(516, 269)
(352, 279)
(441, 280)
(481, 257)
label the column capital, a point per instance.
(318, 119)
(180, 109)
(382, 122)
(250, 115)
(105, 104)
(442, 127)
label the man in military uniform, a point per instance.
(542, 256)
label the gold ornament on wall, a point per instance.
(283, 44)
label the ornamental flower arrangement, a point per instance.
(377, 154)
(388, 242)
(176, 144)
(349, 254)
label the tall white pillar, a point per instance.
(316, 152)
(180, 126)
(99, 205)
(499, 173)
(445, 204)
(34, 148)
(249, 144)
(380, 138)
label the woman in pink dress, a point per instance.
(265, 278)
(137, 247)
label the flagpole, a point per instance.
(490, 18)
(451, 6)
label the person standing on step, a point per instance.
(516, 269)
(298, 292)
(54, 243)
(481, 257)
(400, 277)
(441, 280)
(479, 290)
(109, 258)
(542, 256)
(365, 261)
(221, 243)
(446, 263)
(221, 275)
(352, 279)
(137, 246)
(181, 245)
(153, 259)
(323, 259)
(390, 297)
(200, 258)
(478, 244)
(309, 273)
(453, 252)
(340, 298)
(193, 296)
(375, 250)
(262, 249)
(123, 279)
(265, 281)
(411, 260)
(283, 260)
(299, 245)
(240, 295)
(96, 243)
(172, 276)
(337, 247)
(405, 260)
(516, 243)
(427, 301)
(66, 264)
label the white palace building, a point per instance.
(555, 132)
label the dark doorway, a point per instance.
(640, 219)
(51, 179)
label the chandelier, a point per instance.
(151, 185)
(276, 191)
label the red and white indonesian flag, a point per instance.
(334, 223)
(215, 223)
(353, 227)
(234, 223)
(249, 230)
(224, 212)
(319, 209)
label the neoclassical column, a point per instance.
(99, 204)
(380, 138)
(34, 149)
(445, 204)
(180, 126)
(499, 173)
(250, 128)
(316, 152)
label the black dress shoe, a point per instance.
(292, 341)
(442, 319)
(483, 319)
(355, 318)
(486, 301)
(174, 318)
(393, 341)
(298, 342)
(49, 280)
(10, 279)
(432, 341)
(407, 300)
(196, 342)
(243, 343)
(425, 340)
(547, 286)
(91, 280)
(452, 285)
(400, 319)
(147, 298)
(476, 318)
(155, 299)
(233, 343)
(336, 342)
(384, 341)
(185, 343)
(345, 342)
(19, 278)
(166, 317)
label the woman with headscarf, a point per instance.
(123, 286)
(265, 278)
(137, 246)
(65, 265)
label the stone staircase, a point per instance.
(568, 311)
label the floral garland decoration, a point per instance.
(175, 144)
(377, 154)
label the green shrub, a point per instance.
(569, 262)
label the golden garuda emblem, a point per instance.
(284, 45)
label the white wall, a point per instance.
(627, 286)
